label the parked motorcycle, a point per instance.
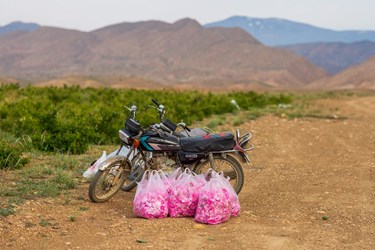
(166, 125)
(159, 147)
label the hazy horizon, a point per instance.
(88, 15)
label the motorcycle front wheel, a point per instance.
(230, 167)
(106, 183)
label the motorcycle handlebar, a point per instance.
(156, 102)
(132, 109)
(188, 129)
(183, 125)
(161, 126)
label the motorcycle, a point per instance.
(166, 125)
(160, 147)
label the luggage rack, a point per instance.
(242, 141)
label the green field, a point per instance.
(67, 120)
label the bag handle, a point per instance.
(145, 176)
(208, 174)
(164, 177)
(176, 173)
(162, 174)
(187, 172)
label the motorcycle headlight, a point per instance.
(124, 136)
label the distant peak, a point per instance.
(18, 26)
(19, 23)
(239, 17)
(187, 22)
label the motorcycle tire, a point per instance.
(229, 165)
(102, 186)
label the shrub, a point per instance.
(11, 155)
(69, 119)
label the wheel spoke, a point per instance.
(106, 185)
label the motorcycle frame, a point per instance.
(237, 150)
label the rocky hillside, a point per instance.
(183, 52)
(335, 57)
(359, 76)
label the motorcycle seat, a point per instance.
(208, 143)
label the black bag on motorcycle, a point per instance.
(208, 143)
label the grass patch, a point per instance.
(64, 162)
(40, 178)
(249, 115)
(37, 188)
(72, 218)
(46, 175)
(299, 105)
(37, 172)
(64, 180)
(11, 154)
(16, 201)
(214, 122)
(44, 223)
(6, 211)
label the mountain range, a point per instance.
(332, 50)
(334, 57)
(183, 52)
(277, 32)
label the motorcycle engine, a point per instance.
(163, 162)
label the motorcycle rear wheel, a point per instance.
(103, 185)
(230, 167)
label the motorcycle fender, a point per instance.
(109, 161)
(245, 158)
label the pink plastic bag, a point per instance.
(172, 177)
(200, 178)
(166, 181)
(214, 205)
(184, 197)
(151, 197)
(230, 192)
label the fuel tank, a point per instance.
(159, 142)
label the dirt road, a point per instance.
(311, 185)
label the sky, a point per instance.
(88, 15)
